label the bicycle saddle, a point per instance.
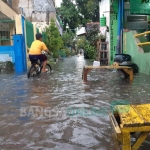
(34, 60)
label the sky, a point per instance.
(58, 2)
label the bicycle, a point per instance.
(36, 67)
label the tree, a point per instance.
(89, 50)
(79, 13)
(81, 42)
(89, 9)
(92, 35)
(69, 14)
(68, 37)
(53, 39)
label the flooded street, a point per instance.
(56, 111)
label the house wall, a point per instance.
(104, 6)
(141, 58)
(6, 9)
(35, 10)
(112, 22)
(7, 54)
(138, 54)
(105, 9)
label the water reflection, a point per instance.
(61, 90)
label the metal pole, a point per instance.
(99, 9)
(122, 25)
(119, 28)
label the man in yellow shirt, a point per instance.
(37, 47)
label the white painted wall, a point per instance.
(104, 6)
(40, 7)
(105, 9)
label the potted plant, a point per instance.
(103, 38)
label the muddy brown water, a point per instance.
(57, 111)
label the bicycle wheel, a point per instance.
(32, 72)
(49, 68)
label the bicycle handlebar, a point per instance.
(49, 53)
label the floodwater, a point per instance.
(56, 111)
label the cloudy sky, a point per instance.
(58, 2)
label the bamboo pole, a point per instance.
(145, 43)
(148, 32)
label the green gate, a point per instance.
(37, 30)
(29, 33)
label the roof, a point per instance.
(91, 24)
(81, 31)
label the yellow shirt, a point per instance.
(36, 47)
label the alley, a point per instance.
(61, 94)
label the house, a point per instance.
(128, 24)
(20, 20)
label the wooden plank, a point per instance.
(103, 42)
(144, 43)
(104, 51)
(107, 67)
(128, 116)
(148, 32)
(129, 72)
(84, 74)
(127, 69)
(116, 128)
(140, 140)
(126, 145)
(134, 129)
(143, 111)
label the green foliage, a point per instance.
(81, 42)
(68, 52)
(93, 35)
(53, 39)
(89, 9)
(80, 13)
(89, 50)
(69, 13)
(56, 54)
(75, 14)
(62, 53)
(65, 52)
(73, 52)
(68, 37)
